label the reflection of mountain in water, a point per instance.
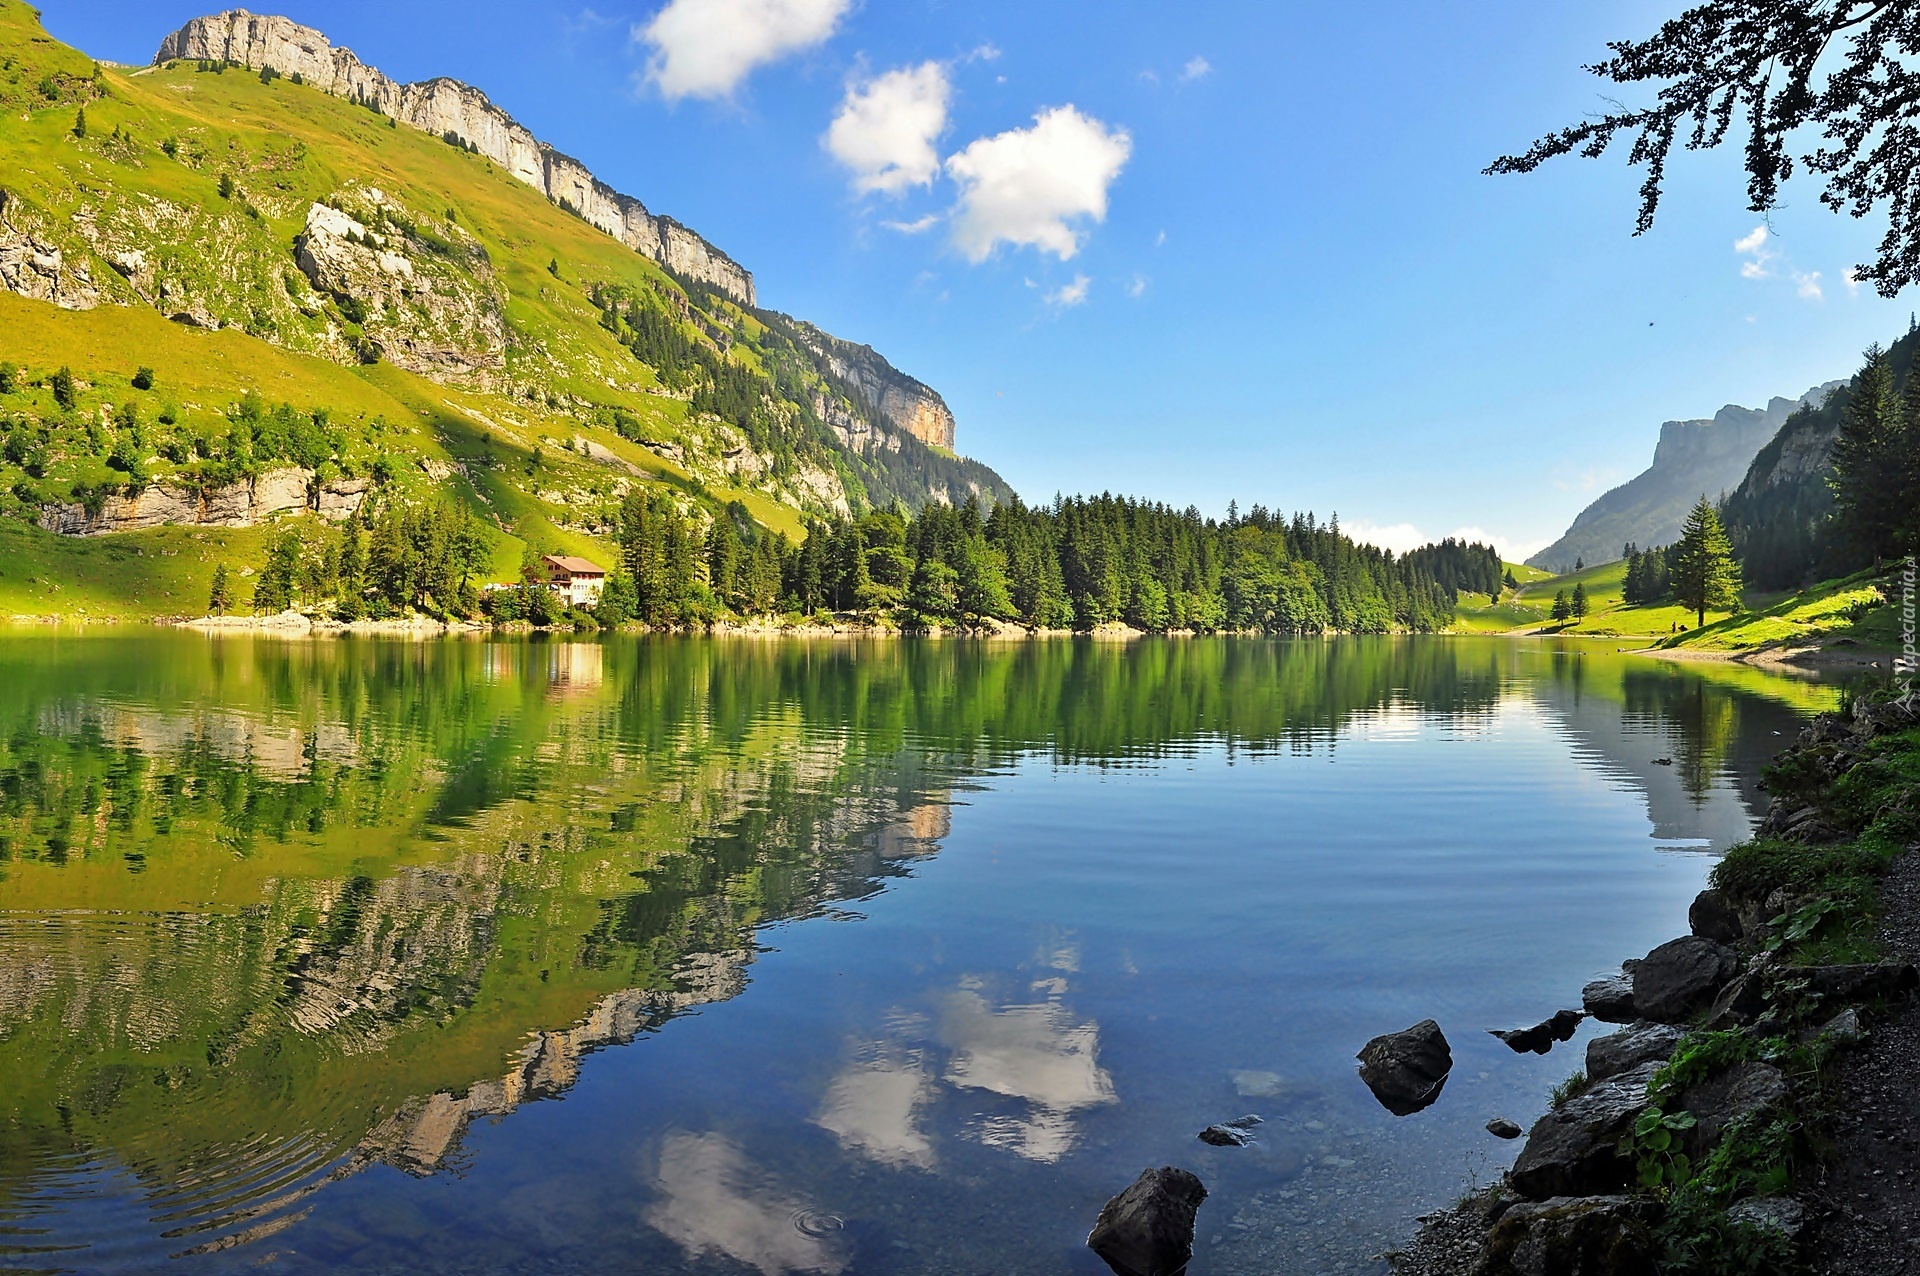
(280, 912)
(1693, 749)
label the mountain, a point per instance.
(1692, 458)
(259, 277)
(1777, 515)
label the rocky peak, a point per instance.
(447, 107)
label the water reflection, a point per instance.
(275, 916)
(1038, 1053)
(873, 1108)
(713, 1199)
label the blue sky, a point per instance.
(1256, 259)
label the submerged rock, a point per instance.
(1571, 1236)
(1147, 1230)
(1574, 1149)
(1231, 1134)
(1542, 1037)
(1406, 1070)
(1642, 1041)
(1681, 977)
(1501, 1128)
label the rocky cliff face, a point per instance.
(889, 393)
(1692, 458)
(443, 107)
(286, 490)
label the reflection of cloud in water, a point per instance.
(1032, 1052)
(712, 1199)
(871, 1107)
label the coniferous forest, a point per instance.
(1077, 563)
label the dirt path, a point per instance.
(1869, 1193)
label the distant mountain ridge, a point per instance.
(1693, 458)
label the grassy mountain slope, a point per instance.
(243, 233)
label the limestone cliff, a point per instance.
(1693, 458)
(446, 107)
(891, 394)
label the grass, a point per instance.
(1853, 608)
(1826, 610)
(146, 575)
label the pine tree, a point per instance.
(1704, 573)
(220, 596)
(1578, 604)
(1509, 580)
(80, 122)
(1873, 463)
(1579, 564)
(1562, 605)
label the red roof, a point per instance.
(573, 566)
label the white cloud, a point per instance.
(705, 48)
(887, 126)
(1137, 286)
(1023, 186)
(1808, 286)
(1759, 257)
(1072, 294)
(918, 225)
(1197, 68)
(1851, 277)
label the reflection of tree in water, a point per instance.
(1705, 722)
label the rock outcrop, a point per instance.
(1574, 1150)
(447, 107)
(279, 491)
(35, 267)
(441, 318)
(887, 392)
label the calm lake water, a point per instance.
(704, 956)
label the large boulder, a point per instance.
(1680, 978)
(1406, 1069)
(1571, 1236)
(1610, 1000)
(1147, 1230)
(1574, 1149)
(1726, 1097)
(1713, 916)
(1642, 1041)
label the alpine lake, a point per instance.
(706, 955)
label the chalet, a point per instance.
(575, 579)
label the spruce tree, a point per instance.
(1562, 605)
(1704, 573)
(220, 596)
(1579, 601)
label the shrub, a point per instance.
(143, 379)
(62, 386)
